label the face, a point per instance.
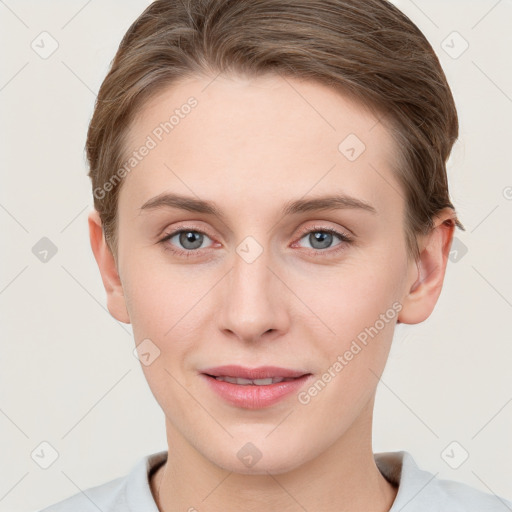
(255, 271)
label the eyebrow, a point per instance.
(192, 204)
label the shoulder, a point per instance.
(123, 494)
(102, 497)
(422, 491)
(463, 498)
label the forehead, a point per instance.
(268, 136)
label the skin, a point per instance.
(250, 146)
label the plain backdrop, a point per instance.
(68, 376)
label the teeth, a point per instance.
(256, 382)
(227, 379)
(264, 382)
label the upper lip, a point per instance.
(261, 372)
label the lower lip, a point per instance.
(252, 396)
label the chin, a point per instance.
(249, 459)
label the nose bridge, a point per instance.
(252, 302)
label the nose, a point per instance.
(253, 302)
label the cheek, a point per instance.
(164, 313)
(353, 363)
(162, 298)
(350, 298)
(360, 308)
(159, 296)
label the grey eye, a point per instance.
(190, 240)
(320, 239)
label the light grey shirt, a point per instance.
(418, 490)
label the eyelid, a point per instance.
(344, 237)
(168, 234)
(327, 229)
(330, 252)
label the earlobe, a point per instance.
(116, 302)
(427, 273)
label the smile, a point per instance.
(254, 388)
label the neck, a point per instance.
(345, 478)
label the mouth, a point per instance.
(251, 382)
(254, 388)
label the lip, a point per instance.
(253, 396)
(261, 372)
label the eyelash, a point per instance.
(345, 239)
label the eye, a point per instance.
(184, 241)
(187, 241)
(321, 238)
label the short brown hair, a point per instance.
(366, 49)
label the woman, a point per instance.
(271, 200)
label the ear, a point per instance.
(108, 269)
(427, 274)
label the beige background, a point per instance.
(67, 372)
